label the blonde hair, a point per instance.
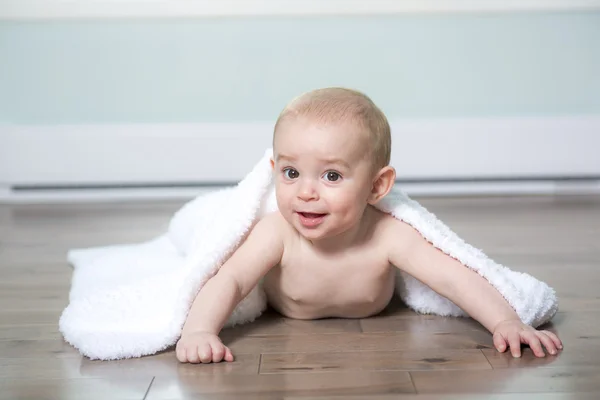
(336, 105)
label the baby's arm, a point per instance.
(467, 289)
(262, 249)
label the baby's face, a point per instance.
(323, 177)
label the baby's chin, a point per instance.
(321, 233)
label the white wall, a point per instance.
(108, 94)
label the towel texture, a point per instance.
(132, 300)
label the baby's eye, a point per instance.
(332, 176)
(290, 173)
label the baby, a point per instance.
(331, 150)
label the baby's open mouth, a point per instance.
(311, 215)
(311, 220)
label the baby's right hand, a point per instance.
(202, 347)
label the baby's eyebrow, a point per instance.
(337, 161)
(284, 157)
(334, 160)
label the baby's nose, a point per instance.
(307, 191)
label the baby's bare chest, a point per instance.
(310, 277)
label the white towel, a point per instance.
(132, 300)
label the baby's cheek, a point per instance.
(347, 206)
(282, 201)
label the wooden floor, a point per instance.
(395, 355)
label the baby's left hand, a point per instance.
(515, 332)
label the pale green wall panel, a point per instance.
(223, 70)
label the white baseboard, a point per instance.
(444, 156)
(449, 189)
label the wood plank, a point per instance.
(272, 323)
(571, 280)
(36, 349)
(420, 323)
(43, 367)
(73, 389)
(509, 380)
(28, 317)
(41, 256)
(388, 341)
(19, 293)
(463, 396)
(165, 364)
(579, 332)
(576, 328)
(175, 395)
(572, 356)
(275, 363)
(364, 383)
(575, 304)
(30, 332)
(52, 302)
(60, 239)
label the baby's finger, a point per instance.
(228, 355)
(205, 353)
(554, 338)
(514, 341)
(499, 342)
(180, 353)
(534, 343)
(547, 342)
(218, 351)
(192, 355)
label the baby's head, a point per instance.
(331, 150)
(351, 109)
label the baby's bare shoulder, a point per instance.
(274, 220)
(274, 223)
(391, 232)
(383, 223)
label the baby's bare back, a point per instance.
(356, 282)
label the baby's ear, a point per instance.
(272, 163)
(382, 184)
